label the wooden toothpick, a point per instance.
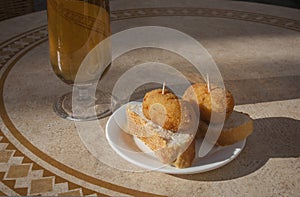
(207, 81)
(163, 89)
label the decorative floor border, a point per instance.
(16, 47)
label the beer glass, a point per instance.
(75, 28)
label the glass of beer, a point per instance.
(75, 28)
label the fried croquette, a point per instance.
(199, 95)
(163, 109)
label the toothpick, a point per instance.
(163, 89)
(207, 81)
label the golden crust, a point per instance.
(154, 142)
(162, 109)
(136, 126)
(198, 95)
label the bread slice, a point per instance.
(177, 149)
(236, 128)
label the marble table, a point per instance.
(257, 50)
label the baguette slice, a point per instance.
(236, 128)
(177, 149)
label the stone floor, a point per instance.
(41, 4)
(286, 3)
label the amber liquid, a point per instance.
(75, 27)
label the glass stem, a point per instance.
(83, 94)
(82, 97)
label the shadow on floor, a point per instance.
(272, 138)
(285, 3)
(249, 91)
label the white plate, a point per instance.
(133, 150)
